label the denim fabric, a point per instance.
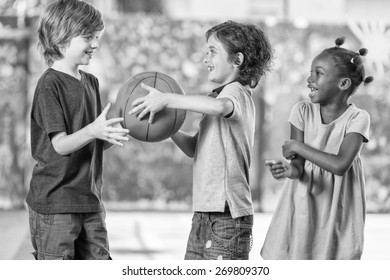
(69, 236)
(216, 236)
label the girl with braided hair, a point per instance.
(321, 212)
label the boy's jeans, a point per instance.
(217, 236)
(81, 236)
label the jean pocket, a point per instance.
(223, 230)
(232, 237)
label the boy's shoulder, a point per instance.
(52, 78)
(235, 87)
(47, 81)
(48, 76)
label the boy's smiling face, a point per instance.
(221, 70)
(81, 48)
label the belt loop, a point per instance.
(208, 217)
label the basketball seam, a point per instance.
(127, 100)
(147, 130)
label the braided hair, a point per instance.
(349, 63)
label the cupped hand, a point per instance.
(104, 128)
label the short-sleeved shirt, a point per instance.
(321, 215)
(70, 183)
(223, 155)
(306, 116)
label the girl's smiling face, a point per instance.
(323, 80)
(221, 70)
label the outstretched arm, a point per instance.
(335, 163)
(155, 101)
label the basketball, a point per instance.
(166, 122)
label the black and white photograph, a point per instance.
(195, 139)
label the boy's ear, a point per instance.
(345, 83)
(239, 59)
(61, 49)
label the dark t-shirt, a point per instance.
(71, 183)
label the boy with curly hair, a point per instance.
(238, 56)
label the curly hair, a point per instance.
(349, 63)
(62, 21)
(249, 40)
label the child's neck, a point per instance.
(331, 112)
(61, 66)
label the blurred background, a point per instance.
(168, 36)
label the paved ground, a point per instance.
(163, 236)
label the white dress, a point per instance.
(321, 215)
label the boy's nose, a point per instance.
(95, 44)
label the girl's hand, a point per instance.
(289, 149)
(152, 103)
(103, 128)
(279, 169)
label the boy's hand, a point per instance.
(279, 169)
(103, 128)
(122, 136)
(152, 103)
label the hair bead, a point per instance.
(349, 64)
(368, 80)
(339, 41)
(363, 51)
